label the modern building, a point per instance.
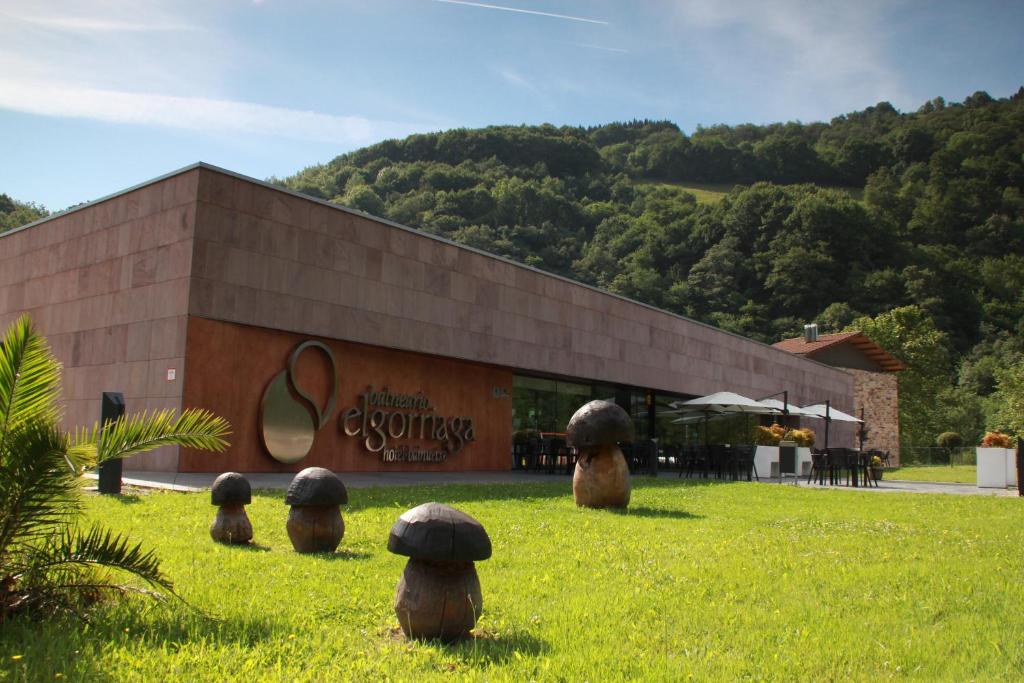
(875, 385)
(329, 337)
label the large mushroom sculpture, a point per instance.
(314, 521)
(231, 492)
(601, 479)
(438, 595)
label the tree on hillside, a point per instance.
(14, 214)
(910, 335)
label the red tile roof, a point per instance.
(802, 347)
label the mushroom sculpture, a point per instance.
(314, 522)
(232, 493)
(601, 478)
(438, 595)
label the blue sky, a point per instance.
(98, 96)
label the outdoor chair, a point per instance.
(843, 462)
(864, 463)
(743, 457)
(695, 460)
(534, 453)
(819, 466)
(671, 457)
(554, 453)
(519, 456)
(647, 457)
(718, 460)
(886, 463)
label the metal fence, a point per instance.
(934, 455)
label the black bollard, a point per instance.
(112, 408)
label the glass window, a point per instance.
(545, 405)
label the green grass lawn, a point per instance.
(720, 581)
(958, 474)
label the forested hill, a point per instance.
(937, 232)
(909, 226)
(14, 214)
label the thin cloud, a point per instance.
(92, 25)
(192, 113)
(523, 11)
(517, 79)
(827, 56)
(603, 48)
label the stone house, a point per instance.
(875, 386)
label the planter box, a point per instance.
(766, 459)
(997, 467)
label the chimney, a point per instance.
(811, 332)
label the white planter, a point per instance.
(803, 460)
(766, 459)
(997, 467)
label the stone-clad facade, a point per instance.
(124, 286)
(878, 394)
(875, 382)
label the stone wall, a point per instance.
(877, 394)
(108, 284)
(269, 258)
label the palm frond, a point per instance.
(145, 431)
(29, 379)
(101, 547)
(38, 491)
(74, 568)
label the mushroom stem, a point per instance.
(315, 528)
(601, 479)
(231, 525)
(437, 599)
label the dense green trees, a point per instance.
(14, 214)
(876, 215)
(930, 253)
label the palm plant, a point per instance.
(48, 562)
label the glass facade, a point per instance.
(544, 406)
(541, 407)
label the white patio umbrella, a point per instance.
(724, 402)
(720, 403)
(826, 412)
(783, 407)
(819, 409)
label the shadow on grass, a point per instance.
(536, 487)
(79, 650)
(403, 497)
(654, 512)
(484, 647)
(339, 555)
(129, 498)
(249, 547)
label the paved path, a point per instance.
(174, 481)
(197, 482)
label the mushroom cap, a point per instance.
(316, 486)
(433, 531)
(230, 488)
(599, 423)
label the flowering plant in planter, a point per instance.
(770, 436)
(803, 437)
(996, 440)
(876, 467)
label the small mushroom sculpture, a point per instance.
(232, 493)
(438, 595)
(601, 478)
(314, 522)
